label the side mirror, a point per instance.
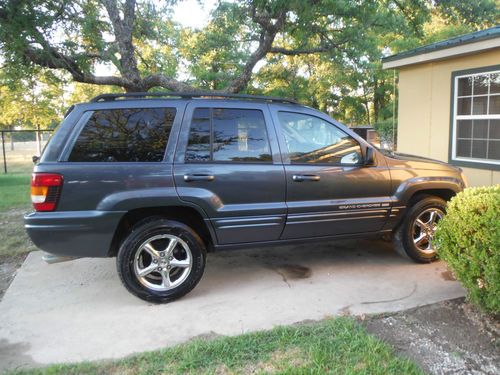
(35, 159)
(369, 156)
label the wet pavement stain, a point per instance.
(293, 272)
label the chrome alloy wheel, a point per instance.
(162, 262)
(424, 228)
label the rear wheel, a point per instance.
(414, 237)
(161, 260)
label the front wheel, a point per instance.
(161, 260)
(415, 236)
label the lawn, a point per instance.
(14, 191)
(333, 346)
(15, 200)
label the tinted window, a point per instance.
(225, 134)
(312, 140)
(199, 136)
(124, 135)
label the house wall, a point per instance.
(424, 109)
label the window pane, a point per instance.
(480, 128)
(481, 85)
(463, 106)
(312, 140)
(495, 83)
(124, 135)
(480, 105)
(494, 104)
(464, 148)
(465, 86)
(240, 135)
(479, 137)
(464, 128)
(494, 150)
(495, 129)
(479, 149)
(198, 148)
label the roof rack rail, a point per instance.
(188, 95)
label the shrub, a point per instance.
(385, 129)
(468, 239)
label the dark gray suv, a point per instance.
(157, 180)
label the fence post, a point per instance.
(3, 150)
(38, 141)
(11, 139)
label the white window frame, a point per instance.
(456, 117)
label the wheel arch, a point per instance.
(187, 215)
(443, 193)
(413, 190)
(408, 192)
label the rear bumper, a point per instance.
(73, 233)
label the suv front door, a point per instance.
(228, 163)
(329, 189)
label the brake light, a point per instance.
(45, 190)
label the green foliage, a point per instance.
(41, 99)
(468, 239)
(83, 92)
(387, 131)
(333, 346)
(216, 53)
(30, 101)
(469, 12)
(344, 78)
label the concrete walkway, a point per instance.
(79, 310)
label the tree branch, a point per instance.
(267, 35)
(123, 29)
(160, 80)
(300, 51)
(53, 59)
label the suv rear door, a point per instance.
(228, 163)
(329, 190)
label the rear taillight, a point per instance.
(45, 190)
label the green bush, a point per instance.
(468, 239)
(387, 131)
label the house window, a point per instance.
(476, 120)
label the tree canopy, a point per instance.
(324, 52)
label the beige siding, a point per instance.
(424, 109)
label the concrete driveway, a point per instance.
(79, 310)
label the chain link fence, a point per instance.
(19, 147)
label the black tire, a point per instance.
(403, 237)
(152, 228)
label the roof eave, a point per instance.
(444, 53)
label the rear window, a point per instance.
(124, 135)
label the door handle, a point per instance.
(198, 177)
(305, 177)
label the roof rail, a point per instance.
(188, 95)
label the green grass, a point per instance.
(13, 238)
(333, 346)
(14, 201)
(14, 191)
